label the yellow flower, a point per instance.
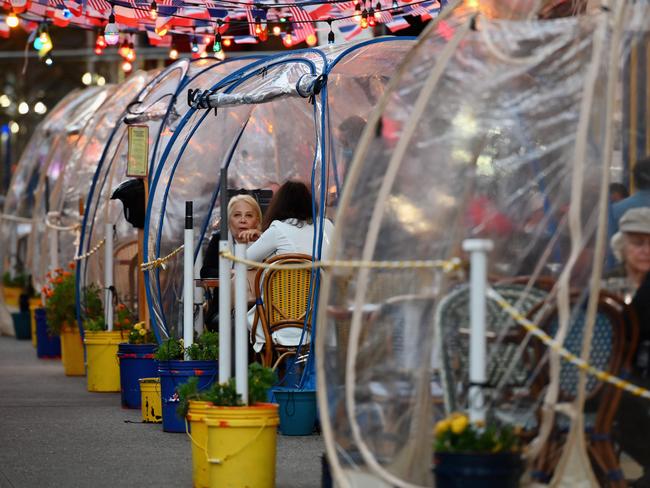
(142, 332)
(137, 326)
(459, 424)
(497, 447)
(442, 426)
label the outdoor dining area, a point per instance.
(409, 248)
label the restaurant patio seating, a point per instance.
(503, 335)
(613, 344)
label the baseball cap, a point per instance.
(635, 220)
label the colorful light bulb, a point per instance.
(111, 32)
(12, 20)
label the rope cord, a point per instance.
(160, 262)
(92, 251)
(73, 227)
(564, 353)
(15, 218)
(449, 266)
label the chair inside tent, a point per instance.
(159, 105)
(291, 116)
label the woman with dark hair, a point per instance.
(287, 225)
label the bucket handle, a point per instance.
(233, 454)
(187, 431)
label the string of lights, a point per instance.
(395, 8)
(282, 19)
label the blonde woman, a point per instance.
(244, 214)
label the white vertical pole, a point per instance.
(241, 329)
(198, 292)
(477, 346)
(54, 248)
(13, 249)
(225, 324)
(108, 275)
(188, 279)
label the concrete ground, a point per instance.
(54, 433)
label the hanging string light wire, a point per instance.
(357, 15)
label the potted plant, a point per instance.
(477, 455)
(101, 344)
(12, 288)
(136, 357)
(174, 371)
(60, 312)
(221, 426)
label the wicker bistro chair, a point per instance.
(452, 333)
(281, 299)
(613, 344)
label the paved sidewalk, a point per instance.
(54, 433)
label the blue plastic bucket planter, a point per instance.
(22, 325)
(458, 470)
(47, 346)
(297, 410)
(175, 373)
(136, 361)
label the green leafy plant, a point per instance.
(224, 394)
(95, 325)
(457, 434)
(60, 300)
(260, 379)
(20, 280)
(205, 348)
(170, 349)
(188, 391)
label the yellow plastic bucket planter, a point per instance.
(72, 351)
(12, 295)
(103, 368)
(34, 303)
(242, 445)
(151, 402)
(198, 432)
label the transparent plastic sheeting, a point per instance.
(57, 133)
(63, 188)
(148, 91)
(160, 105)
(263, 145)
(498, 132)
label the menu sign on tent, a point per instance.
(138, 155)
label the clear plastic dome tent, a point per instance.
(267, 128)
(63, 189)
(503, 130)
(159, 105)
(75, 181)
(57, 133)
